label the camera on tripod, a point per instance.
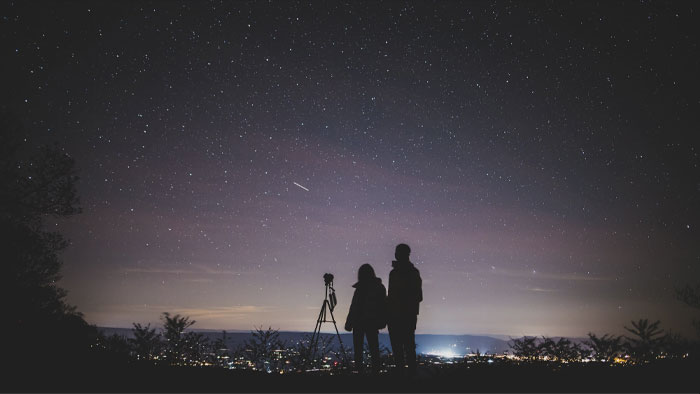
(330, 291)
(328, 278)
(329, 303)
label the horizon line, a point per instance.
(236, 330)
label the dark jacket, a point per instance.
(368, 306)
(405, 290)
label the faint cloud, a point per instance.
(222, 312)
(572, 276)
(540, 290)
(193, 312)
(191, 269)
(198, 280)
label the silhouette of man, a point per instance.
(405, 293)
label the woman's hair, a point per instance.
(365, 273)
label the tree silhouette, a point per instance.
(560, 350)
(675, 346)
(262, 348)
(546, 348)
(605, 348)
(146, 342)
(116, 345)
(176, 341)
(646, 341)
(566, 350)
(197, 349)
(37, 183)
(300, 360)
(220, 350)
(526, 348)
(690, 295)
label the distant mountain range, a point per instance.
(446, 345)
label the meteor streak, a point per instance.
(301, 186)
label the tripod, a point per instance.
(329, 303)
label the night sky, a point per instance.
(540, 158)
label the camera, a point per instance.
(328, 279)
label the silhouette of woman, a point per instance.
(367, 315)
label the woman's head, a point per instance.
(365, 273)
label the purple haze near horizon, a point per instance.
(539, 160)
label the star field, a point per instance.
(540, 159)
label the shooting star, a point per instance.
(301, 186)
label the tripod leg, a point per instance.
(317, 328)
(342, 348)
(313, 345)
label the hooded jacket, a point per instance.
(405, 290)
(368, 306)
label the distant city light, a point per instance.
(445, 353)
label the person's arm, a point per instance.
(352, 312)
(391, 296)
(385, 309)
(420, 288)
(418, 291)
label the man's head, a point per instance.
(402, 253)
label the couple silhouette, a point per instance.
(372, 309)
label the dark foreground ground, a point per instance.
(672, 376)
